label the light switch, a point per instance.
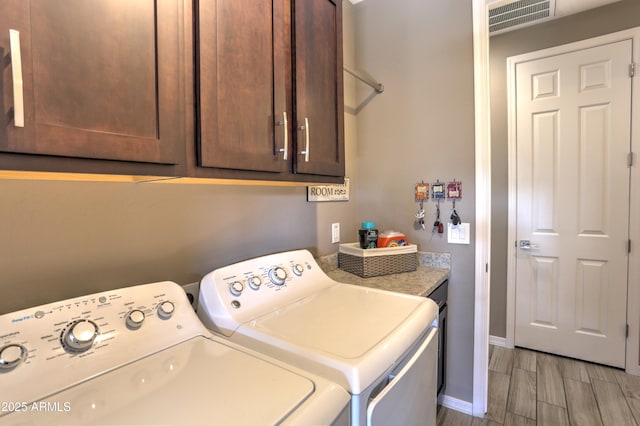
(458, 234)
(335, 232)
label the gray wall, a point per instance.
(421, 128)
(608, 19)
(65, 239)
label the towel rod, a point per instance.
(365, 79)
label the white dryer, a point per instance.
(381, 346)
(139, 355)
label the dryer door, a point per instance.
(413, 388)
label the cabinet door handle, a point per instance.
(285, 123)
(16, 70)
(305, 127)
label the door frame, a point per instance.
(633, 280)
(482, 133)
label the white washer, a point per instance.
(381, 346)
(140, 355)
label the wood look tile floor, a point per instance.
(534, 388)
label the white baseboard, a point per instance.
(498, 341)
(456, 404)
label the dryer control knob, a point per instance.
(165, 310)
(79, 335)
(255, 282)
(11, 356)
(135, 319)
(278, 275)
(298, 269)
(236, 288)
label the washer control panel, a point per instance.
(238, 293)
(54, 345)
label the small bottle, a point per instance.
(368, 235)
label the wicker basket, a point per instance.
(379, 261)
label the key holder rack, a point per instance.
(454, 192)
(438, 191)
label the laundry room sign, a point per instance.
(335, 192)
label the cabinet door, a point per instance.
(101, 79)
(319, 98)
(243, 72)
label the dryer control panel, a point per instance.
(238, 293)
(49, 347)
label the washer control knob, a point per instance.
(255, 282)
(79, 335)
(298, 269)
(11, 356)
(277, 275)
(236, 288)
(165, 310)
(135, 319)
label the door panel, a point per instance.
(573, 136)
(591, 297)
(65, 97)
(545, 292)
(241, 80)
(545, 176)
(318, 83)
(593, 177)
(100, 79)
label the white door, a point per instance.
(573, 137)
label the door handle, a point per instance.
(16, 70)
(526, 245)
(305, 127)
(285, 124)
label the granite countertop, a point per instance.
(419, 283)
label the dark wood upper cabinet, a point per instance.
(319, 101)
(240, 89)
(260, 76)
(241, 75)
(100, 79)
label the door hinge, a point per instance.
(630, 159)
(486, 267)
(632, 69)
(626, 332)
(629, 246)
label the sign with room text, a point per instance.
(333, 192)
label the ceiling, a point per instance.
(520, 13)
(567, 7)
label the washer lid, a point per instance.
(198, 382)
(344, 321)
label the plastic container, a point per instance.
(368, 235)
(392, 239)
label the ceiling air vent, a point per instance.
(516, 13)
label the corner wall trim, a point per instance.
(456, 404)
(498, 341)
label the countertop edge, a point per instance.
(421, 282)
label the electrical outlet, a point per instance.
(335, 232)
(193, 291)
